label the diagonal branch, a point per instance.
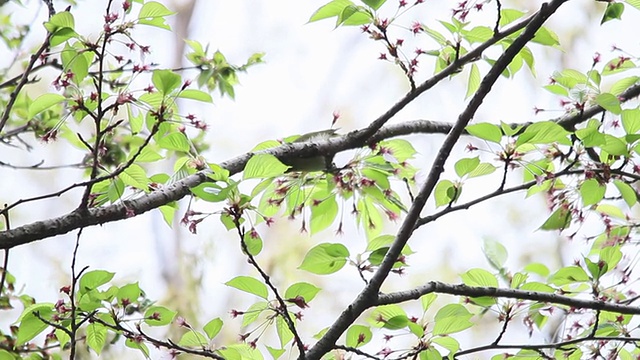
(369, 294)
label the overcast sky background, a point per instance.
(311, 70)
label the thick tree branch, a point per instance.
(474, 291)
(95, 216)
(369, 294)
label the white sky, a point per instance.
(310, 71)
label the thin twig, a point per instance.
(535, 347)
(267, 280)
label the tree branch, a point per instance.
(476, 291)
(369, 294)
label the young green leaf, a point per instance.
(560, 219)
(159, 316)
(474, 81)
(325, 259)
(93, 279)
(263, 166)
(358, 335)
(194, 339)
(44, 102)
(485, 131)
(609, 102)
(465, 166)
(250, 285)
(452, 318)
(323, 214)
(306, 290)
(479, 277)
(166, 80)
(96, 336)
(591, 192)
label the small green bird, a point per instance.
(314, 163)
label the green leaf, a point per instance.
(194, 94)
(253, 241)
(557, 89)
(591, 192)
(518, 279)
(76, 62)
(465, 166)
(452, 318)
(544, 36)
(570, 78)
(282, 329)
(614, 146)
(210, 192)
(159, 316)
(544, 132)
(611, 255)
(93, 279)
(611, 210)
(609, 102)
(358, 335)
(537, 268)
(631, 120)
(478, 34)
(427, 300)
(325, 259)
(129, 292)
(138, 345)
(61, 20)
(507, 16)
(479, 277)
(30, 324)
(193, 339)
(44, 102)
(560, 219)
(627, 192)
(213, 327)
(474, 81)
(623, 84)
(275, 353)
(481, 170)
(634, 3)
(486, 131)
(96, 336)
(446, 193)
(253, 312)
(374, 4)
(390, 317)
(306, 290)
(448, 343)
(354, 15)
(153, 13)
(168, 212)
(250, 285)
(569, 275)
(495, 253)
(176, 141)
(613, 11)
(323, 214)
(400, 149)
(537, 286)
(166, 80)
(135, 176)
(263, 166)
(333, 8)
